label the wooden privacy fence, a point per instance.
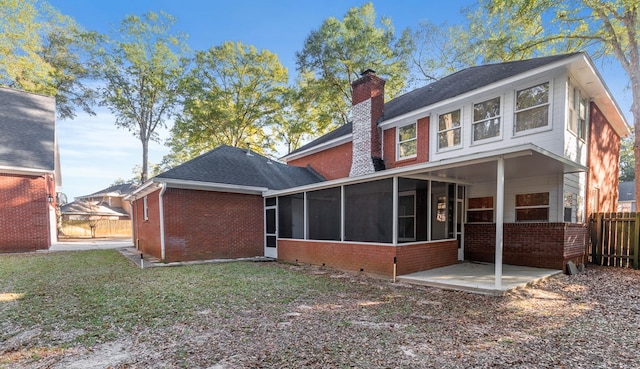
(615, 239)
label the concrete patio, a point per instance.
(478, 277)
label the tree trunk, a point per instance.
(635, 110)
(145, 160)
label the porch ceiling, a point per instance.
(526, 164)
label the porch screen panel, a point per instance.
(369, 211)
(323, 207)
(291, 216)
(421, 212)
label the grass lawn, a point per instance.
(95, 309)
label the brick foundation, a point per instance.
(541, 245)
(370, 258)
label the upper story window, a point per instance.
(532, 207)
(532, 107)
(486, 119)
(407, 141)
(577, 113)
(449, 129)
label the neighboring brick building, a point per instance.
(28, 171)
(515, 154)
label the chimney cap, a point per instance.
(367, 72)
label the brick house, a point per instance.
(29, 171)
(499, 163)
(210, 207)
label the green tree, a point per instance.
(514, 29)
(627, 159)
(232, 94)
(46, 52)
(334, 56)
(141, 69)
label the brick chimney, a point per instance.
(368, 102)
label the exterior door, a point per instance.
(271, 228)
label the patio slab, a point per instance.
(478, 277)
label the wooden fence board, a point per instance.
(615, 239)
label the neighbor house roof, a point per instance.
(232, 169)
(119, 190)
(27, 131)
(627, 191)
(449, 87)
(92, 208)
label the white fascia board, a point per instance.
(208, 186)
(476, 158)
(25, 171)
(327, 145)
(504, 82)
(146, 188)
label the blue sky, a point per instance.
(94, 152)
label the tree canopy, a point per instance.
(142, 68)
(231, 96)
(46, 52)
(334, 55)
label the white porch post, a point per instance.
(499, 222)
(394, 227)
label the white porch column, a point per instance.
(499, 222)
(394, 227)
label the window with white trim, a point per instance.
(145, 208)
(407, 141)
(480, 210)
(532, 207)
(486, 119)
(449, 129)
(577, 113)
(407, 216)
(532, 108)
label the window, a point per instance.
(532, 207)
(145, 208)
(570, 206)
(486, 119)
(532, 107)
(407, 143)
(480, 210)
(449, 129)
(407, 216)
(323, 212)
(577, 113)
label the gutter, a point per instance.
(161, 211)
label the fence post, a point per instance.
(636, 241)
(597, 245)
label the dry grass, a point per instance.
(93, 310)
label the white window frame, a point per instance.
(399, 143)
(516, 111)
(493, 212)
(145, 208)
(406, 194)
(499, 117)
(533, 207)
(577, 115)
(459, 128)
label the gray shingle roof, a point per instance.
(231, 165)
(27, 130)
(448, 87)
(92, 208)
(122, 189)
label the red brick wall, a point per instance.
(374, 259)
(24, 213)
(604, 154)
(542, 245)
(202, 225)
(332, 163)
(422, 144)
(417, 257)
(147, 232)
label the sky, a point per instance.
(94, 152)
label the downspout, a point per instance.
(161, 208)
